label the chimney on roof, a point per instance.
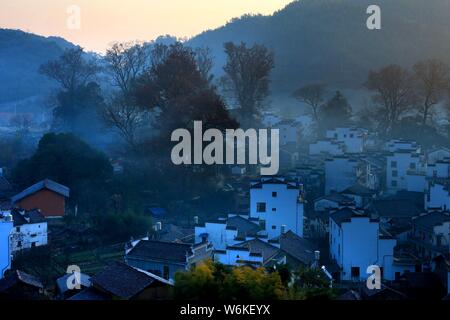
(315, 264)
(317, 255)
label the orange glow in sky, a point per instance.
(105, 21)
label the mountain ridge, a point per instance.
(328, 41)
(21, 54)
(313, 41)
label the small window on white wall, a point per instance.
(355, 272)
(261, 207)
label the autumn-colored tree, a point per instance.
(212, 281)
(200, 283)
(254, 284)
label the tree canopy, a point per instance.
(210, 280)
(247, 74)
(65, 159)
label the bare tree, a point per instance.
(71, 70)
(432, 82)
(126, 118)
(313, 95)
(204, 62)
(126, 62)
(78, 94)
(394, 94)
(247, 77)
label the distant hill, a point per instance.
(21, 54)
(327, 40)
(313, 40)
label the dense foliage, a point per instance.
(68, 160)
(211, 281)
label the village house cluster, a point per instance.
(347, 202)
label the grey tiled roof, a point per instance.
(335, 197)
(431, 219)
(259, 247)
(297, 247)
(61, 282)
(17, 277)
(121, 280)
(44, 184)
(161, 251)
(395, 208)
(358, 189)
(345, 214)
(244, 226)
(274, 180)
(89, 294)
(27, 217)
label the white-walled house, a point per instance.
(438, 154)
(276, 207)
(332, 201)
(226, 232)
(270, 119)
(30, 230)
(395, 145)
(372, 171)
(217, 233)
(356, 242)
(328, 147)
(340, 173)
(405, 171)
(252, 252)
(164, 258)
(290, 132)
(439, 169)
(416, 182)
(353, 138)
(6, 226)
(438, 196)
(360, 195)
(431, 233)
(238, 256)
(289, 156)
(279, 203)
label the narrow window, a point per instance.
(261, 207)
(355, 272)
